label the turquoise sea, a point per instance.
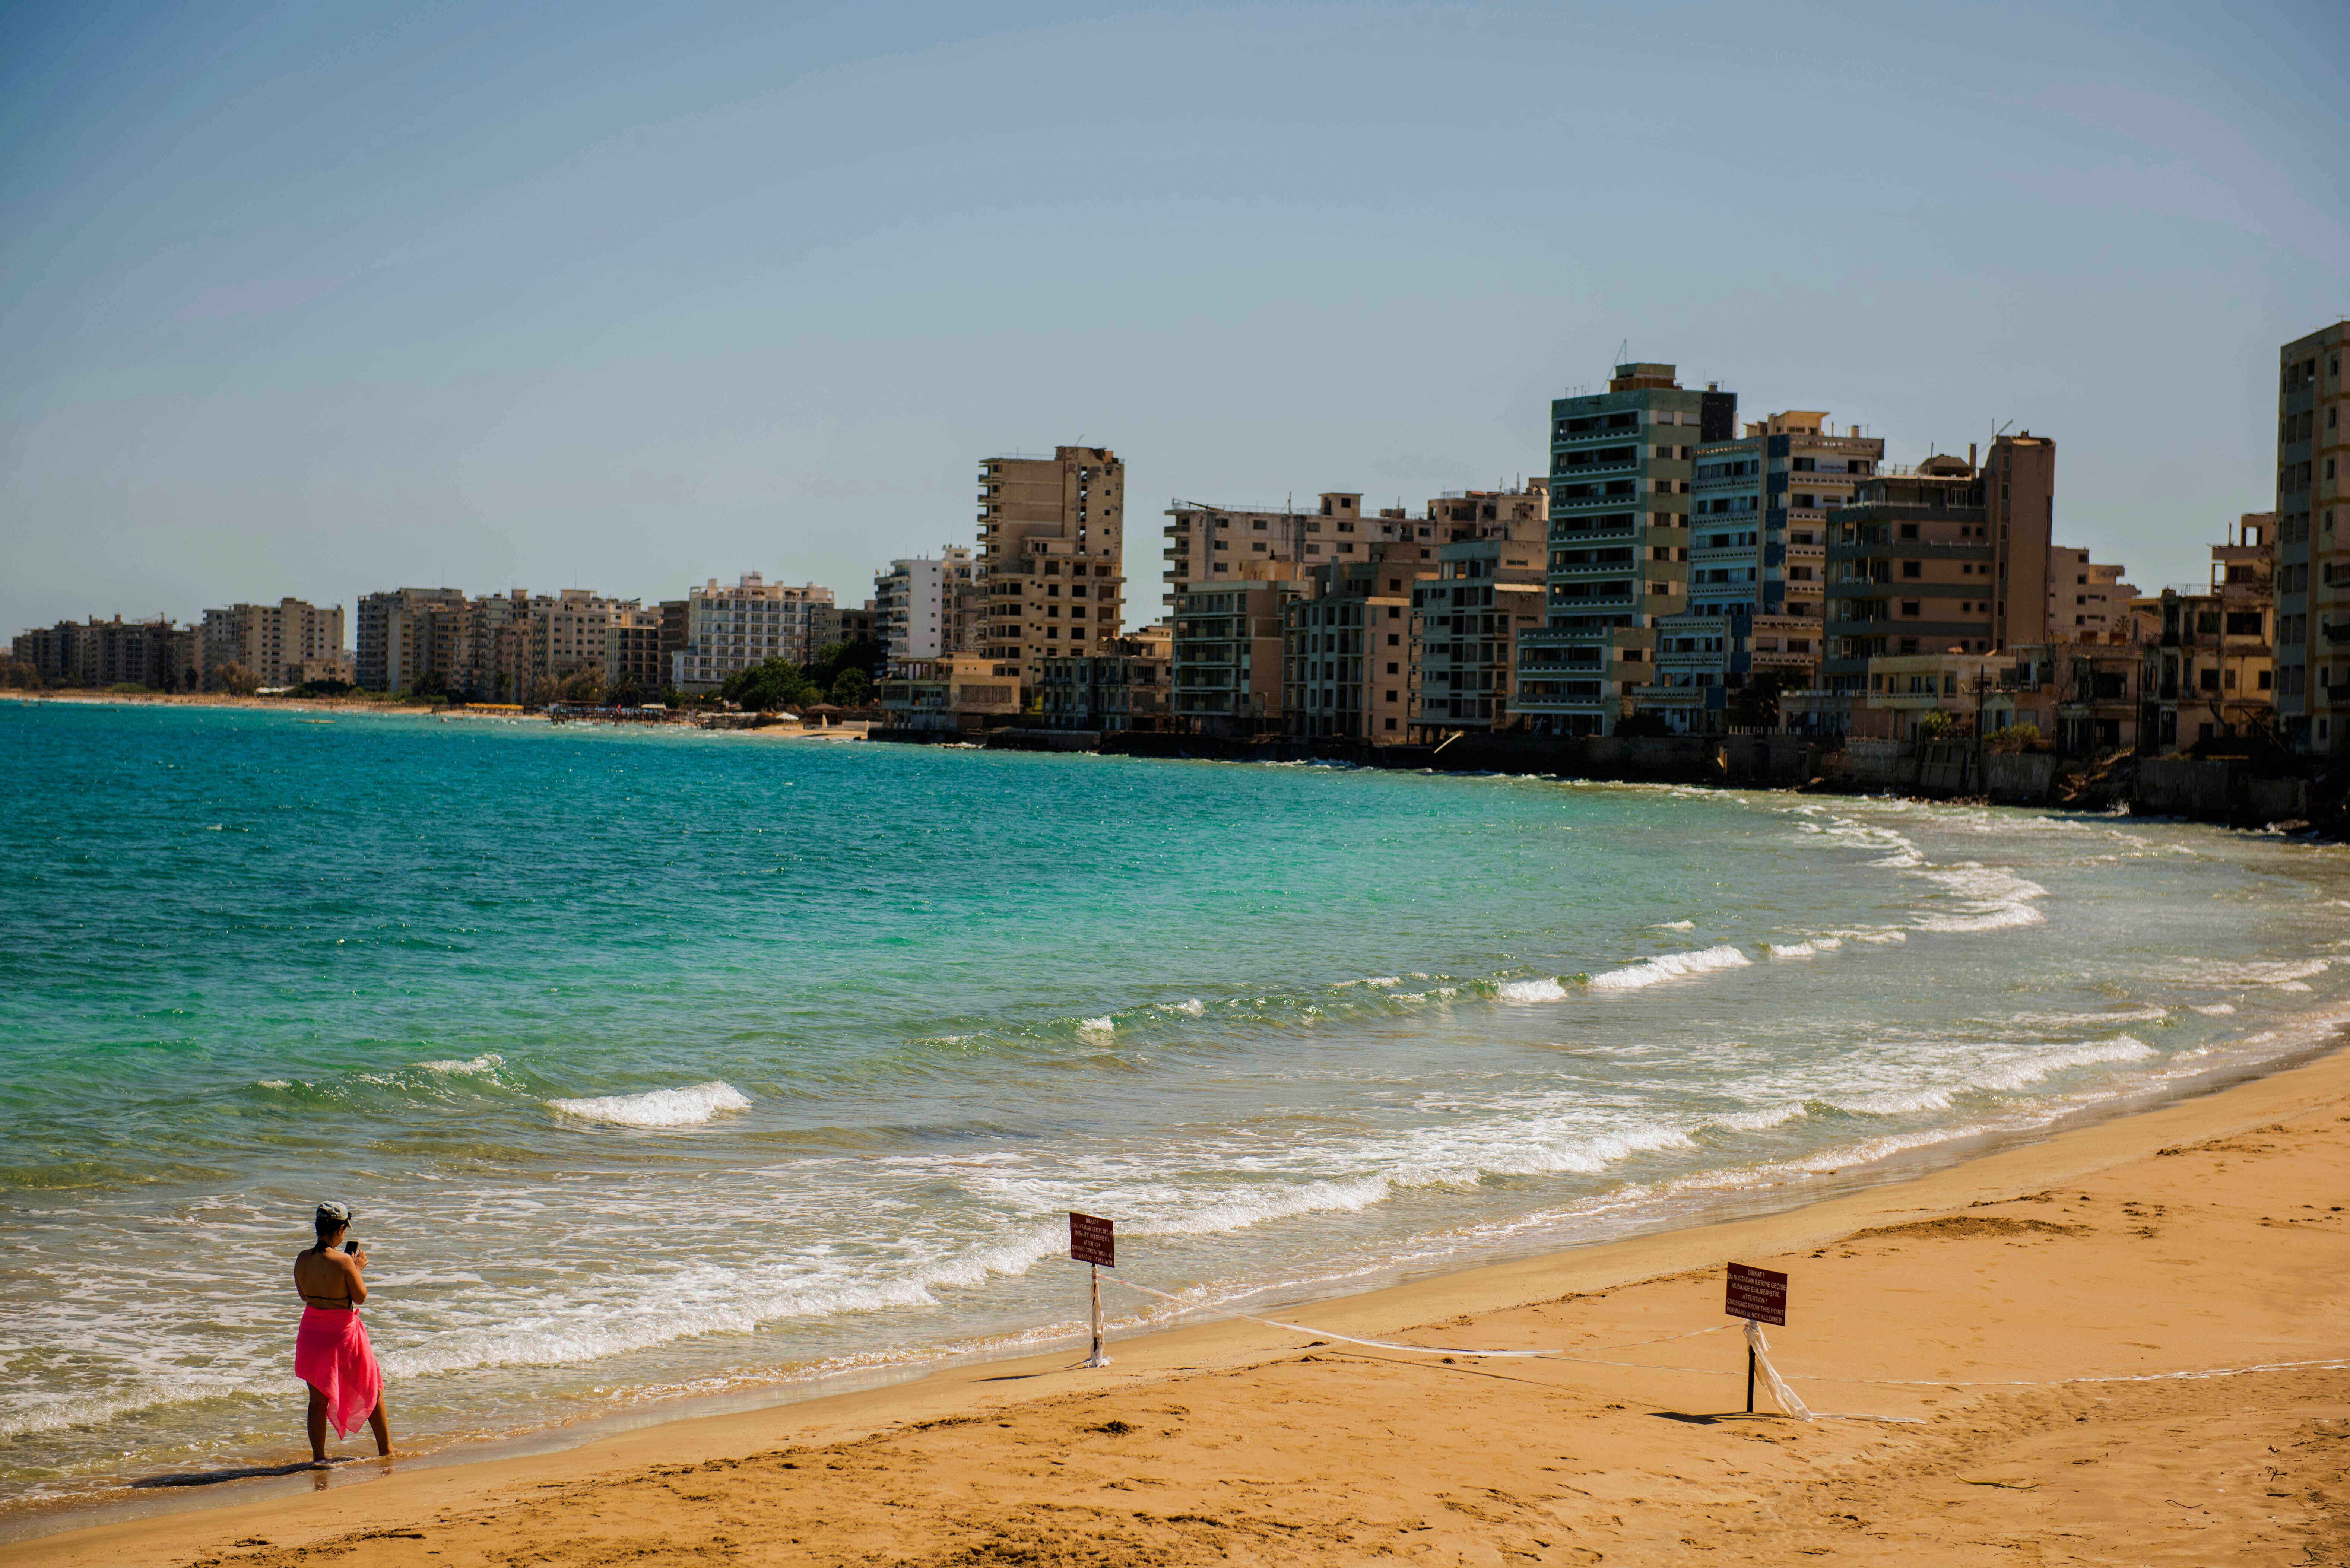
(659, 1064)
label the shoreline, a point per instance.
(1947, 1177)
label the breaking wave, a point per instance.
(1670, 966)
(658, 1108)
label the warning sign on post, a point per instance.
(1093, 1241)
(1757, 1293)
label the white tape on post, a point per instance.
(1771, 1378)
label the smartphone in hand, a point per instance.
(352, 1248)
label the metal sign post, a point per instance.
(1757, 1295)
(1094, 1242)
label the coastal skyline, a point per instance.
(295, 309)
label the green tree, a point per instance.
(582, 686)
(235, 678)
(20, 675)
(852, 688)
(767, 687)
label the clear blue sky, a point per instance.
(318, 299)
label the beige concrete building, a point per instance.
(1488, 587)
(1227, 657)
(1124, 685)
(1347, 649)
(2313, 541)
(275, 642)
(404, 635)
(1943, 558)
(1904, 690)
(1051, 571)
(730, 628)
(2087, 600)
(632, 664)
(1205, 543)
(567, 635)
(152, 653)
(956, 692)
(2210, 657)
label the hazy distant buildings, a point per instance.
(2312, 670)
(1051, 567)
(152, 653)
(282, 644)
(406, 634)
(729, 630)
(631, 662)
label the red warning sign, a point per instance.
(1757, 1293)
(1093, 1241)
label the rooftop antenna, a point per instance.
(1622, 349)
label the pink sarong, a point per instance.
(331, 1353)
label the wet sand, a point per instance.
(2210, 1234)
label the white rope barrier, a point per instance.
(2330, 1363)
(1430, 1349)
(1778, 1384)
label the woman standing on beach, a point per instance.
(331, 1352)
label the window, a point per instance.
(1910, 607)
(1393, 640)
(1913, 568)
(1390, 720)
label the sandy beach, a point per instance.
(2037, 1305)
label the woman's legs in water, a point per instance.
(375, 1420)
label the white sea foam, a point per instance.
(1792, 949)
(1102, 1025)
(658, 1108)
(1530, 990)
(2217, 1009)
(1194, 1007)
(488, 1061)
(1670, 966)
(1988, 899)
(2258, 972)
(2121, 1048)
(2293, 985)
(1676, 925)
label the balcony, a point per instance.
(1627, 498)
